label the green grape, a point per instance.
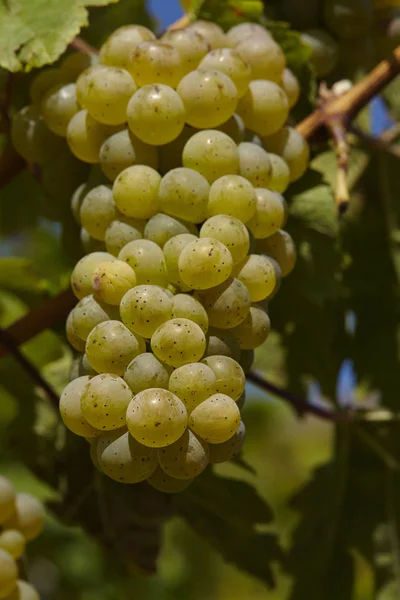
(156, 418)
(185, 306)
(222, 342)
(58, 107)
(93, 453)
(291, 86)
(232, 195)
(123, 150)
(212, 33)
(230, 62)
(43, 82)
(24, 591)
(170, 155)
(211, 153)
(122, 231)
(220, 453)
(155, 61)
(7, 498)
(254, 330)
(117, 49)
(31, 137)
(280, 174)
(192, 383)
(230, 376)
(111, 281)
(156, 114)
(76, 342)
(216, 419)
(85, 136)
(71, 411)
(123, 459)
(77, 199)
(75, 63)
(270, 215)
(324, 50)
(105, 92)
(186, 458)
(242, 31)
(255, 164)
(144, 308)
(234, 127)
(8, 574)
(97, 211)
(280, 247)
(146, 371)
(172, 251)
(135, 192)
(147, 260)
(178, 342)
(227, 304)
(264, 108)
(84, 367)
(184, 193)
(13, 542)
(169, 485)
(231, 232)
(292, 147)
(104, 401)
(264, 56)
(28, 516)
(259, 275)
(110, 347)
(209, 96)
(204, 263)
(348, 19)
(89, 243)
(161, 228)
(190, 44)
(81, 277)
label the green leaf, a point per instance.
(19, 274)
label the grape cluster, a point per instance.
(184, 238)
(21, 520)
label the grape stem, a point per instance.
(82, 46)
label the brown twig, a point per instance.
(81, 45)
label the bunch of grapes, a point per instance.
(21, 520)
(184, 238)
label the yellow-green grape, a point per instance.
(110, 347)
(270, 215)
(8, 574)
(13, 542)
(147, 260)
(123, 459)
(227, 304)
(280, 247)
(123, 150)
(220, 453)
(246, 362)
(161, 228)
(170, 155)
(31, 137)
(264, 108)
(135, 192)
(28, 516)
(178, 342)
(7, 498)
(75, 63)
(190, 44)
(254, 330)
(232, 195)
(211, 153)
(156, 61)
(255, 164)
(231, 232)
(184, 193)
(122, 231)
(258, 273)
(88, 313)
(192, 383)
(146, 371)
(234, 127)
(230, 62)
(43, 82)
(80, 367)
(185, 306)
(72, 336)
(144, 308)
(169, 485)
(216, 419)
(291, 86)
(265, 57)
(85, 136)
(77, 199)
(230, 375)
(104, 401)
(156, 418)
(111, 280)
(24, 591)
(204, 263)
(117, 49)
(156, 114)
(186, 458)
(89, 243)
(71, 411)
(280, 174)
(97, 211)
(105, 92)
(209, 96)
(242, 31)
(172, 250)
(292, 147)
(222, 342)
(58, 107)
(81, 277)
(324, 50)
(212, 32)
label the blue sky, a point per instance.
(166, 11)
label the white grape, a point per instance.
(280, 174)
(184, 193)
(186, 458)
(85, 136)
(147, 260)
(192, 383)
(178, 342)
(71, 411)
(230, 62)
(123, 150)
(117, 49)
(28, 516)
(104, 401)
(8, 573)
(254, 330)
(220, 453)
(229, 231)
(232, 195)
(156, 61)
(230, 375)
(190, 44)
(111, 346)
(121, 231)
(146, 371)
(265, 57)
(81, 277)
(135, 191)
(161, 228)
(212, 32)
(144, 308)
(13, 542)
(88, 313)
(123, 459)
(259, 275)
(222, 342)
(172, 251)
(112, 280)
(212, 153)
(227, 304)
(185, 306)
(270, 215)
(169, 485)
(216, 419)
(97, 211)
(242, 31)
(255, 164)
(280, 246)
(58, 107)
(204, 263)
(292, 147)
(264, 108)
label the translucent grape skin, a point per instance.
(104, 401)
(135, 192)
(31, 137)
(270, 215)
(291, 86)
(146, 371)
(156, 61)
(255, 164)
(234, 128)
(89, 243)
(232, 195)
(216, 419)
(178, 342)
(43, 82)
(204, 263)
(7, 498)
(280, 247)
(172, 251)
(123, 150)
(230, 376)
(254, 330)
(72, 336)
(147, 260)
(227, 304)
(97, 211)
(156, 418)
(324, 50)
(220, 453)
(259, 275)
(77, 199)
(112, 280)
(169, 485)
(230, 62)
(212, 32)
(292, 147)
(28, 516)
(211, 153)
(81, 277)
(229, 231)
(8, 574)
(85, 136)
(264, 108)
(13, 542)
(123, 459)
(280, 174)
(121, 231)
(221, 341)
(185, 306)
(240, 32)
(111, 346)
(58, 107)
(184, 193)
(117, 49)
(265, 57)
(192, 383)
(161, 228)
(144, 308)
(71, 411)
(190, 44)
(186, 458)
